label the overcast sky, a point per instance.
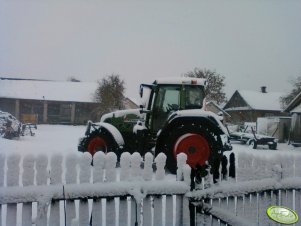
(252, 43)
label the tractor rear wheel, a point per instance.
(197, 142)
(101, 141)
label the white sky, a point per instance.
(252, 43)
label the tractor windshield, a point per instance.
(170, 98)
(194, 96)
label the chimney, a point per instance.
(263, 89)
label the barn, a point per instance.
(247, 106)
(294, 108)
(50, 102)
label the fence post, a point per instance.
(147, 176)
(56, 173)
(125, 163)
(110, 165)
(135, 173)
(71, 178)
(42, 177)
(158, 200)
(98, 177)
(27, 180)
(13, 170)
(232, 165)
(84, 177)
(298, 191)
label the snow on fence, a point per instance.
(42, 189)
(260, 182)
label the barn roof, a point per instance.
(257, 100)
(48, 90)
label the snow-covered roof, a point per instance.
(48, 90)
(262, 101)
(181, 80)
(257, 100)
(295, 105)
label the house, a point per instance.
(62, 102)
(247, 106)
(294, 108)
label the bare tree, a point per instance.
(214, 90)
(296, 84)
(109, 94)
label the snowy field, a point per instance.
(64, 139)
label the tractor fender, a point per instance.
(113, 131)
(175, 121)
(201, 116)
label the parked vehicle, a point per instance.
(172, 121)
(253, 139)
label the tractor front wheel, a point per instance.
(101, 141)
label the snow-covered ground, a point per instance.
(47, 139)
(64, 139)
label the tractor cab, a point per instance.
(169, 95)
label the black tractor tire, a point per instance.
(273, 146)
(100, 140)
(187, 139)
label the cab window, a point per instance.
(194, 96)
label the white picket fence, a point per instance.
(33, 190)
(68, 190)
(260, 182)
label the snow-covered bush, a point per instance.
(10, 127)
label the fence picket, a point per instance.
(135, 165)
(169, 210)
(97, 213)
(179, 210)
(123, 211)
(27, 180)
(215, 202)
(2, 167)
(264, 202)
(2, 172)
(135, 212)
(160, 164)
(13, 171)
(147, 211)
(158, 220)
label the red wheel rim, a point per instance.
(195, 147)
(97, 144)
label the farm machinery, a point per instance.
(172, 120)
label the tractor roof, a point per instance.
(181, 80)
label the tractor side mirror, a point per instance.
(141, 91)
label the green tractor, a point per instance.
(173, 120)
